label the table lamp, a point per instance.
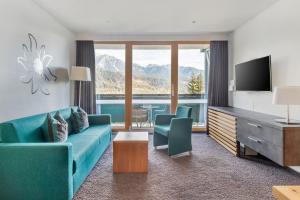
(287, 95)
(79, 73)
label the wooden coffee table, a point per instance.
(286, 192)
(130, 152)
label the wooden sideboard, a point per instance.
(231, 126)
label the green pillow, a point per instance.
(79, 120)
(55, 130)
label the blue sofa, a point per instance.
(33, 169)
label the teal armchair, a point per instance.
(174, 131)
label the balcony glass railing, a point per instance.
(146, 107)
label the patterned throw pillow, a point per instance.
(79, 120)
(54, 130)
(62, 127)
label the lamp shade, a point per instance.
(80, 73)
(287, 95)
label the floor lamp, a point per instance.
(79, 73)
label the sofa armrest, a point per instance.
(36, 171)
(163, 119)
(99, 119)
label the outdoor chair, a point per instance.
(140, 116)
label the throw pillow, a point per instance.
(62, 127)
(53, 130)
(79, 120)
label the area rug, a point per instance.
(211, 172)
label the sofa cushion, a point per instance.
(79, 120)
(86, 142)
(162, 129)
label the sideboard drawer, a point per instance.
(265, 140)
(258, 130)
(264, 147)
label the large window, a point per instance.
(135, 81)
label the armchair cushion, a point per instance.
(162, 129)
(163, 119)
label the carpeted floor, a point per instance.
(210, 173)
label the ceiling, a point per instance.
(153, 16)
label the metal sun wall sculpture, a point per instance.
(36, 63)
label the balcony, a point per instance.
(146, 107)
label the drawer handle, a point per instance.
(255, 140)
(255, 125)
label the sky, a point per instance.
(187, 57)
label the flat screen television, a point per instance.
(254, 75)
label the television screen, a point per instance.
(254, 75)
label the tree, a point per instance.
(196, 84)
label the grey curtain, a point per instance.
(218, 74)
(85, 56)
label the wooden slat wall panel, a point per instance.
(228, 143)
(223, 136)
(222, 114)
(226, 147)
(225, 120)
(222, 128)
(223, 124)
(223, 131)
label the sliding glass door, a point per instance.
(193, 66)
(151, 83)
(110, 82)
(135, 81)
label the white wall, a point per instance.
(17, 18)
(276, 32)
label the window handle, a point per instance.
(172, 91)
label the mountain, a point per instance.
(152, 78)
(109, 63)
